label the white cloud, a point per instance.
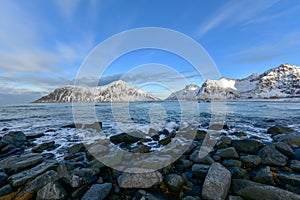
(67, 8)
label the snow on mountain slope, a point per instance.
(283, 81)
(118, 91)
(188, 93)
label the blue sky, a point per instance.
(43, 43)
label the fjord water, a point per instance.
(253, 118)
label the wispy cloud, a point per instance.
(233, 13)
(67, 8)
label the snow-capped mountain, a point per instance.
(118, 91)
(188, 93)
(283, 81)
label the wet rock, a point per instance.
(200, 135)
(230, 197)
(186, 163)
(5, 190)
(271, 156)
(21, 178)
(97, 192)
(16, 138)
(232, 163)
(5, 129)
(238, 172)
(190, 198)
(228, 153)
(289, 178)
(295, 165)
(83, 176)
(217, 183)
(262, 175)
(3, 179)
(279, 130)
(200, 170)
(247, 146)
(34, 135)
(72, 126)
(14, 164)
(76, 148)
(43, 146)
(284, 149)
(251, 161)
(39, 182)
(292, 139)
(239, 134)
(218, 127)
(195, 157)
(95, 125)
(257, 191)
(139, 180)
(226, 140)
(194, 191)
(165, 141)
(79, 192)
(52, 191)
(124, 137)
(141, 149)
(174, 182)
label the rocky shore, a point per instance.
(233, 170)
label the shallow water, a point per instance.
(252, 118)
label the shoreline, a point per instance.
(234, 165)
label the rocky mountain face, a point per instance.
(118, 91)
(188, 93)
(283, 81)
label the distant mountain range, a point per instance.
(279, 82)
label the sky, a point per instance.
(43, 44)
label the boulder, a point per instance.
(257, 191)
(228, 153)
(292, 139)
(165, 141)
(251, 161)
(95, 125)
(3, 178)
(289, 178)
(200, 170)
(295, 165)
(195, 157)
(14, 164)
(238, 172)
(250, 146)
(174, 182)
(232, 163)
(263, 175)
(5, 190)
(285, 149)
(124, 137)
(274, 130)
(217, 183)
(141, 149)
(34, 135)
(231, 197)
(43, 146)
(97, 192)
(52, 191)
(140, 180)
(76, 148)
(16, 138)
(271, 156)
(21, 178)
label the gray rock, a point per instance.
(97, 192)
(190, 198)
(271, 156)
(76, 148)
(34, 135)
(186, 163)
(3, 179)
(232, 163)
(284, 148)
(79, 192)
(174, 182)
(21, 178)
(84, 176)
(124, 137)
(263, 175)
(257, 191)
(279, 130)
(247, 146)
(43, 146)
(230, 197)
(295, 189)
(141, 149)
(195, 157)
(51, 191)
(16, 138)
(217, 183)
(238, 172)
(5, 190)
(292, 139)
(289, 178)
(14, 164)
(165, 141)
(139, 180)
(200, 170)
(95, 125)
(228, 153)
(295, 165)
(39, 182)
(251, 161)
(226, 140)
